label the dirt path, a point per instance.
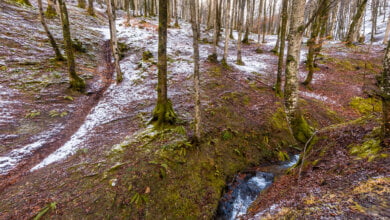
(95, 91)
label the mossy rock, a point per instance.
(50, 12)
(123, 48)
(78, 46)
(213, 58)
(147, 55)
(370, 150)
(23, 2)
(205, 41)
(259, 50)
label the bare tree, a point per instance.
(291, 88)
(386, 38)
(214, 56)
(240, 21)
(76, 82)
(355, 20)
(227, 20)
(283, 30)
(90, 9)
(163, 113)
(195, 31)
(114, 41)
(49, 35)
(385, 87)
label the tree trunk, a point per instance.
(355, 20)
(240, 20)
(195, 31)
(299, 126)
(219, 16)
(50, 10)
(275, 50)
(76, 83)
(259, 29)
(81, 3)
(374, 18)
(49, 35)
(386, 97)
(114, 41)
(247, 23)
(311, 43)
(227, 20)
(176, 15)
(232, 20)
(90, 10)
(163, 113)
(283, 30)
(214, 56)
(387, 32)
(265, 21)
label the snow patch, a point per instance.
(318, 97)
(12, 159)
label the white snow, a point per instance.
(12, 159)
(108, 109)
(382, 20)
(7, 105)
(318, 97)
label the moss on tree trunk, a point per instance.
(76, 83)
(283, 30)
(163, 113)
(385, 87)
(355, 21)
(50, 10)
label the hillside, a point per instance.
(71, 155)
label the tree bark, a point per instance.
(50, 10)
(49, 35)
(81, 3)
(114, 41)
(386, 97)
(214, 56)
(90, 10)
(264, 22)
(374, 18)
(247, 23)
(283, 30)
(259, 29)
(311, 43)
(76, 83)
(355, 20)
(240, 20)
(291, 88)
(387, 32)
(195, 31)
(163, 113)
(227, 20)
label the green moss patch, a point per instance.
(370, 150)
(366, 105)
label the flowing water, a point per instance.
(245, 188)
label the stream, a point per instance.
(246, 186)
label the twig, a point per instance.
(303, 156)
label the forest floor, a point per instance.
(94, 156)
